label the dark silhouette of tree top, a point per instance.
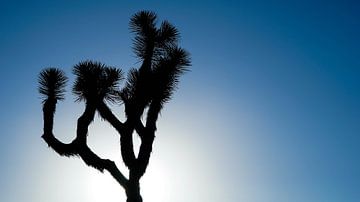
(144, 94)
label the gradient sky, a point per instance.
(270, 111)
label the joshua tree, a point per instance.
(144, 94)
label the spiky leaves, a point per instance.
(167, 35)
(143, 25)
(149, 40)
(52, 83)
(154, 46)
(96, 81)
(166, 74)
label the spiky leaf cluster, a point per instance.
(155, 81)
(96, 81)
(167, 63)
(166, 73)
(167, 37)
(149, 40)
(52, 83)
(143, 25)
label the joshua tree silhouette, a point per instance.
(145, 92)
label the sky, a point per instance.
(268, 113)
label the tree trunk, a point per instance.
(133, 191)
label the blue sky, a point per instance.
(269, 112)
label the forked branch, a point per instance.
(78, 147)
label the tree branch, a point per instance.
(144, 153)
(78, 146)
(84, 121)
(125, 131)
(106, 114)
(152, 115)
(140, 128)
(61, 148)
(127, 145)
(147, 136)
(93, 160)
